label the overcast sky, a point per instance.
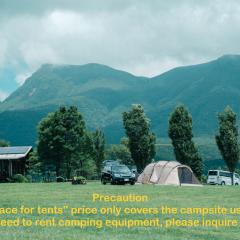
(144, 37)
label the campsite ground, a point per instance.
(59, 194)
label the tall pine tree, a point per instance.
(180, 132)
(227, 139)
(141, 139)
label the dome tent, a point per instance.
(168, 173)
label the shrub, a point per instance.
(29, 178)
(79, 180)
(18, 178)
(203, 179)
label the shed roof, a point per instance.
(11, 153)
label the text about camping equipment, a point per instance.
(119, 211)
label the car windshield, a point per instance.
(121, 169)
(212, 173)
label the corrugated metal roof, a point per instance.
(14, 152)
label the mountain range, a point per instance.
(103, 93)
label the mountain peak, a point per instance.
(93, 69)
(87, 66)
(102, 93)
(231, 57)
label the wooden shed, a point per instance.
(13, 160)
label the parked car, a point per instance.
(219, 177)
(133, 169)
(117, 174)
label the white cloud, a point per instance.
(20, 78)
(143, 37)
(3, 95)
(3, 50)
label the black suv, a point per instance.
(117, 174)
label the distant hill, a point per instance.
(103, 93)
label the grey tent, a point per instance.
(168, 173)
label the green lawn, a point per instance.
(59, 194)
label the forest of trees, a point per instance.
(65, 144)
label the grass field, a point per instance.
(59, 194)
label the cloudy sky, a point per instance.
(144, 37)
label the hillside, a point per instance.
(103, 93)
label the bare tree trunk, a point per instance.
(232, 176)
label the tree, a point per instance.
(34, 166)
(180, 132)
(85, 164)
(59, 139)
(124, 141)
(99, 148)
(141, 139)
(120, 152)
(227, 139)
(4, 143)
